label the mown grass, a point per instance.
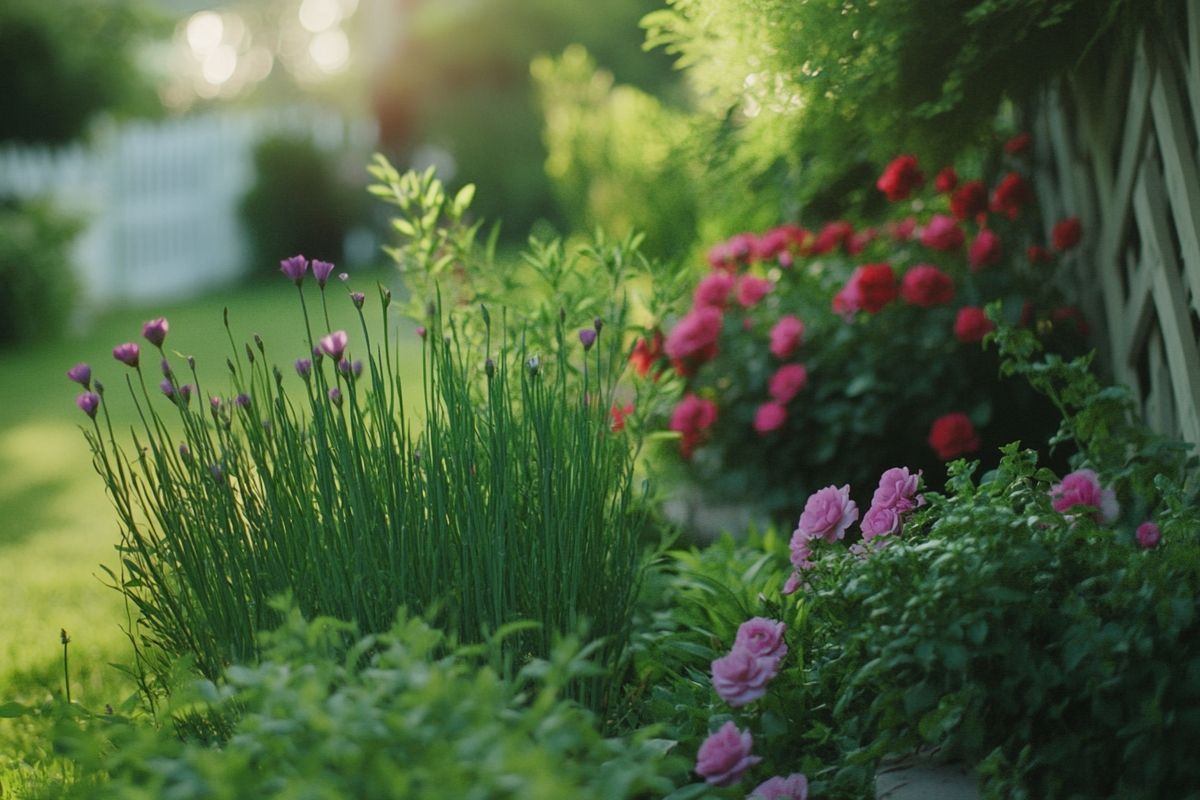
(56, 524)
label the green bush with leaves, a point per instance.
(404, 713)
(36, 270)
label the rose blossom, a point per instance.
(800, 551)
(926, 286)
(787, 382)
(880, 521)
(985, 251)
(1082, 488)
(903, 230)
(713, 290)
(1066, 234)
(695, 336)
(946, 180)
(735, 250)
(969, 201)
(793, 787)
(1011, 195)
(769, 417)
(834, 234)
(751, 289)
(971, 325)
(1148, 535)
(791, 585)
(762, 638)
(828, 513)
(740, 678)
(942, 233)
(953, 435)
(725, 755)
(1018, 145)
(786, 336)
(691, 418)
(897, 489)
(900, 178)
(870, 288)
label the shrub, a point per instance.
(514, 502)
(826, 356)
(400, 714)
(297, 204)
(36, 271)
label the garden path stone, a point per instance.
(919, 778)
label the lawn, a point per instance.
(58, 526)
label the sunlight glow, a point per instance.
(330, 50)
(204, 31)
(219, 65)
(320, 15)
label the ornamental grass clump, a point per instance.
(511, 500)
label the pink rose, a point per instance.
(769, 417)
(691, 418)
(903, 230)
(787, 382)
(926, 286)
(740, 678)
(786, 336)
(880, 521)
(834, 234)
(762, 638)
(695, 336)
(827, 514)
(801, 551)
(736, 250)
(792, 584)
(942, 233)
(985, 250)
(1082, 488)
(725, 755)
(971, 325)
(898, 490)
(751, 289)
(1148, 535)
(793, 787)
(713, 290)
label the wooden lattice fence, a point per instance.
(1118, 146)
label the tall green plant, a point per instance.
(514, 502)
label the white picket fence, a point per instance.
(159, 199)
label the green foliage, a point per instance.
(299, 203)
(401, 714)
(616, 155)
(62, 63)
(36, 271)
(514, 502)
(460, 82)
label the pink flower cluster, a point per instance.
(742, 676)
(1082, 488)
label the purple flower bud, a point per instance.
(185, 453)
(99, 387)
(191, 362)
(82, 374)
(421, 331)
(215, 403)
(321, 271)
(127, 353)
(155, 331)
(343, 276)
(357, 298)
(343, 366)
(242, 400)
(167, 387)
(489, 367)
(356, 367)
(334, 344)
(386, 294)
(303, 367)
(165, 366)
(294, 268)
(598, 324)
(587, 337)
(185, 392)
(88, 402)
(335, 396)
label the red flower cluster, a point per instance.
(900, 178)
(1013, 194)
(926, 286)
(953, 435)
(870, 288)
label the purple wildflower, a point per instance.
(335, 396)
(88, 402)
(334, 344)
(303, 367)
(155, 331)
(127, 353)
(587, 337)
(357, 298)
(82, 374)
(242, 400)
(167, 387)
(321, 271)
(294, 268)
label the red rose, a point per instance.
(926, 286)
(692, 418)
(946, 180)
(1011, 195)
(953, 435)
(969, 201)
(1018, 144)
(694, 338)
(1066, 234)
(942, 233)
(874, 286)
(985, 250)
(903, 230)
(833, 235)
(646, 354)
(971, 325)
(900, 178)
(1038, 254)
